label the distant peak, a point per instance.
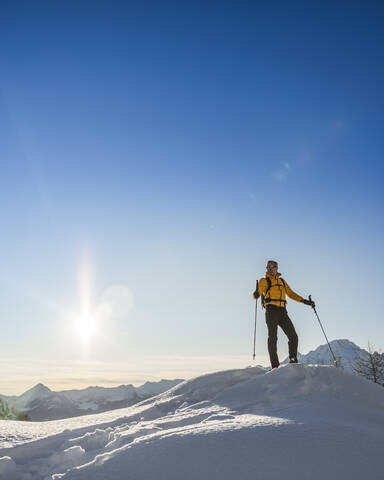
(344, 342)
(36, 392)
(40, 387)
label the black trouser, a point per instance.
(278, 316)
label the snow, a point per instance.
(123, 392)
(154, 388)
(7, 467)
(34, 394)
(43, 404)
(299, 421)
(345, 351)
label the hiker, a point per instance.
(273, 289)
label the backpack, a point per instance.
(265, 300)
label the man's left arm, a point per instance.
(292, 294)
(295, 296)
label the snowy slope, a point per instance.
(299, 421)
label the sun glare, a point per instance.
(85, 327)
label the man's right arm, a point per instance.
(262, 287)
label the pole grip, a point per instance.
(310, 299)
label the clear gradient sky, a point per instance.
(154, 155)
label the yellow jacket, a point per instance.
(277, 291)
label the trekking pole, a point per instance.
(314, 309)
(254, 333)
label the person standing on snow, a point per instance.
(273, 289)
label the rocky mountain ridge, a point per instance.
(41, 403)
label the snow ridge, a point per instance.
(322, 421)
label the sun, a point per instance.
(85, 327)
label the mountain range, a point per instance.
(41, 403)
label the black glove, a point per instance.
(256, 294)
(311, 303)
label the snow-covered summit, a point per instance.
(345, 351)
(299, 421)
(34, 394)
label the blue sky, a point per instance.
(159, 155)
